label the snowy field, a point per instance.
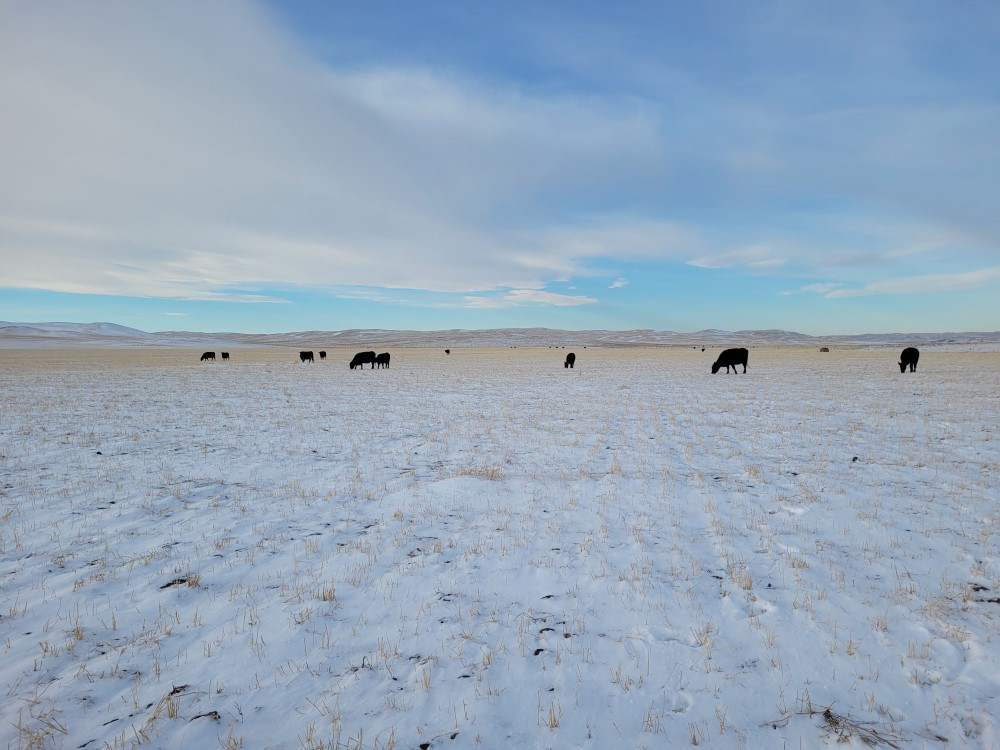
(487, 550)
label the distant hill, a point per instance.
(96, 335)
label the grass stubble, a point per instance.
(486, 549)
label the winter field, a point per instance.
(488, 550)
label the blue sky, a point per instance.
(272, 166)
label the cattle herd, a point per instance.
(728, 358)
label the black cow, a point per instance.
(570, 360)
(361, 357)
(322, 355)
(447, 351)
(382, 360)
(909, 359)
(306, 357)
(208, 355)
(225, 356)
(731, 358)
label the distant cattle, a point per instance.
(731, 358)
(322, 355)
(208, 355)
(306, 357)
(570, 360)
(382, 360)
(225, 356)
(361, 358)
(824, 349)
(447, 351)
(909, 359)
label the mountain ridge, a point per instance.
(26, 335)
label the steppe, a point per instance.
(486, 549)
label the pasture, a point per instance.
(489, 550)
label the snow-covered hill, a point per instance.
(25, 335)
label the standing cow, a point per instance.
(382, 360)
(207, 355)
(731, 358)
(225, 356)
(909, 359)
(322, 355)
(570, 360)
(306, 357)
(361, 358)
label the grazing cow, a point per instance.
(208, 355)
(382, 360)
(306, 357)
(824, 349)
(322, 355)
(909, 359)
(570, 360)
(731, 358)
(361, 357)
(447, 351)
(225, 356)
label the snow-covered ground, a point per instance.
(488, 550)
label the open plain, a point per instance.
(488, 550)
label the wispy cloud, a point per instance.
(207, 151)
(619, 284)
(753, 257)
(948, 282)
(370, 296)
(566, 249)
(520, 297)
(822, 288)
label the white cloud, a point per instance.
(822, 288)
(535, 296)
(520, 297)
(766, 263)
(752, 257)
(563, 248)
(619, 283)
(948, 282)
(183, 149)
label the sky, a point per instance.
(282, 166)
